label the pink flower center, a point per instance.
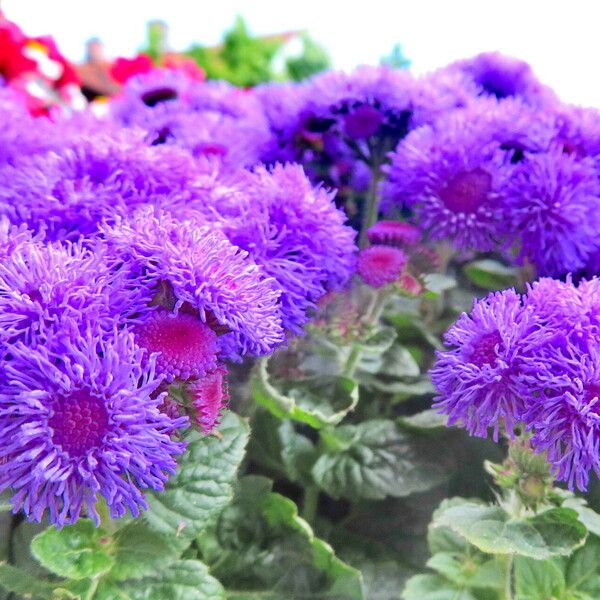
(484, 350)
(187, 346)
(466, 192)
(79, 422)
(380, 265)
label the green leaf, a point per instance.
(77, 551)
(276, 445)
(425, 420)
(554, 532)
(583, 569)
(5, 504)
(202, 484)
(434, 587)
(376, 459)
(181, 580)
(436, 284)
(259, 545)
(20, 582)
(490, 274)
(318, 401)
(384, 580)
(139, 551)
(538, 579)
(590, 518)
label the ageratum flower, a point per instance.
(208, 119)
(291, 229)
(450, 173)
(68, 193)
(205, 274)
(12, 236)
(562, 389)
(552, 201)
(380, 265)
(476, 380)
(43, 287)
(502, 77)
(79, 420)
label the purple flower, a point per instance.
(68, 194)
(552, 201)
(476, 380)
(211, 119)
(79, 419)
(449, 175)
(563, 411)
(502, 77)
(291, 229)
(45, 287)
(204, 272)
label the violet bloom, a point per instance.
(476, 380)
(562, 389)
(552, 201)
(502, 77)
(43, 287)
(209, 119)
(68, 194)
(79, 420)
(291, 229)
(204, 274)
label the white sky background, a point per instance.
(560, 38)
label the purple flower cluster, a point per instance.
(531, 360)
(132, 270)
(509, 169)
(209, 119)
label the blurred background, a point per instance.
(293, 40)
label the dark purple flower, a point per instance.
(476, 380)
(291, 229)
(68, 193)
(502, 77)
(79, 419)
(204, 272)
(552, 201)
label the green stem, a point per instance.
(89, 595)
(310, 503)
(352, 361)
(508, 580)
(373, 200)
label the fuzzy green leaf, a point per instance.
(554, 532)
(260, 547)
(376, 459)
(318, 401)
(77, 551)
(202, 484)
